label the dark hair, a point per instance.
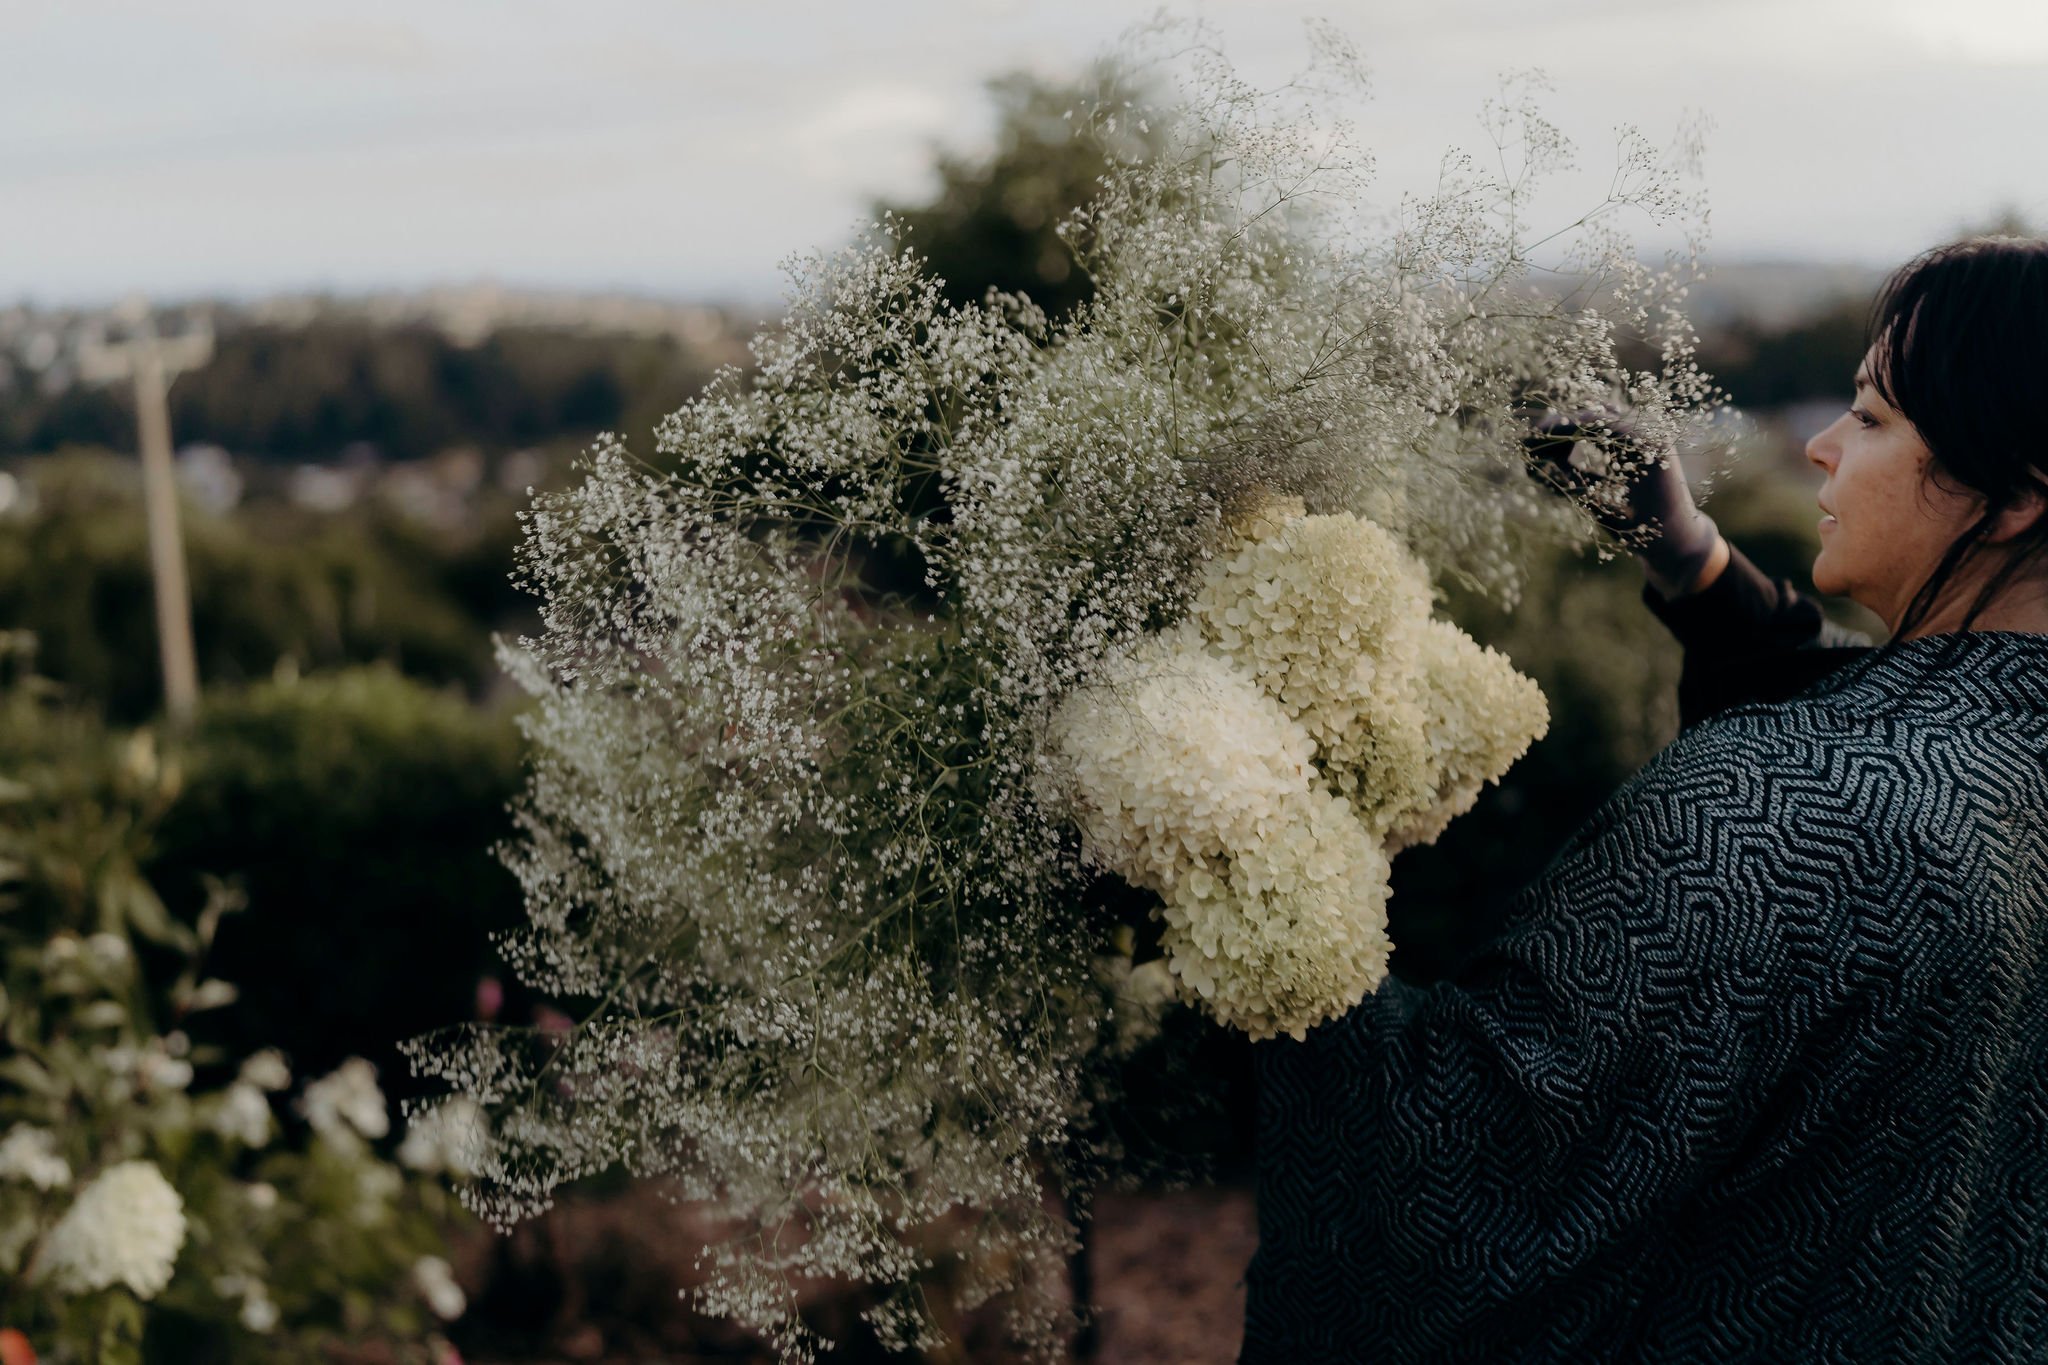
(1961, 338)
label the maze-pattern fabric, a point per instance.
(1757, 1069)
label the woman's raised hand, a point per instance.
(1683, 544)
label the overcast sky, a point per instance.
(683, 148)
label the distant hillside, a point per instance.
(305, 377)
(1774, 295)
(302, 378)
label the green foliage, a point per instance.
(359, 809)
(278, 1249)
(274, 587)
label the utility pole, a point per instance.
(152, 362)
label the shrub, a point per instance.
(149, 1210)
(358, 808)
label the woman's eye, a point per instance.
(1863, 417)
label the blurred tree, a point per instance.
(2008, 220)
(991, 224)
(1813, 359)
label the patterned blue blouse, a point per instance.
(1756, 1070)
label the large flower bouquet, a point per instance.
(961, 684)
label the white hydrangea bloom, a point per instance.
(1323, 611)
(435, 1279)
(1481, 716)
(1292, 931)
(345, 1102)
(1264, 813)
(1193, 782)
(125, 1228)
(242, 1114)
(448, 1137)
(1177, 757)
(1315, 608)
(29, 1153)
(1411, 718)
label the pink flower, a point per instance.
(490, 997)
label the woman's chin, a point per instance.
(1824, 579)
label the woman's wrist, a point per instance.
(1700, 579)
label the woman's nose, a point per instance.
(1821, 448)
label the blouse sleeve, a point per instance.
(1749, 638)
(1446, 1157)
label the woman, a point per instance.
(1758, 1068)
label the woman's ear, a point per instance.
(2024, 515)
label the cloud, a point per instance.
(377, 45)
(1985, 32)
(875, 137)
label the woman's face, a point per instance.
(1890, 522)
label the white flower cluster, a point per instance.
(1410, 716)
(1193, 782)
(346, 1103)
(29, 1153)
(1321, 610)
(1257, 765)
(448, 1137)
(125, 1228)
(241, 1113)
(1480, 715)
(435, 1280)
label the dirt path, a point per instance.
(594, 1282)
